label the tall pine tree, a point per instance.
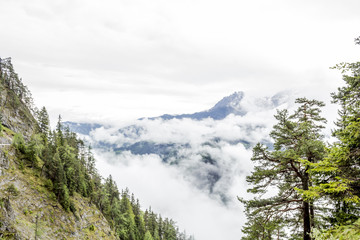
(285, 170)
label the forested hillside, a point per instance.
(312, 187)
(55, 167)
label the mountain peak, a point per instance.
(232, 100)
(227, 105)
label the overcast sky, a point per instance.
(117, 60)
(114, 61)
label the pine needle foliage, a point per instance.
(284, 172)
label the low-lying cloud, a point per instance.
(166, 190)
(198, 183)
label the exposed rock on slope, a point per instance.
(27, 208)
(16, 103)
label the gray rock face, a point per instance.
(16, 104)
(4, 161)
(8, 218)
(18, 213)
(16, 116)
(4, 151)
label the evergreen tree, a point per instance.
(128, 231)
(19, 144)
(348, 131)
(44, 124)
(297, 144)
(338, 172)
(148, 236)
(34, 149)
(59, 133)
(59, 180)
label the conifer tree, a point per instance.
(34, 149)
(297, 144)
(44, 124)
(338, 173)
(59, 133)
(348, 131)
(148, 236)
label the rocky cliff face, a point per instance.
(28, 208)
(16, 103)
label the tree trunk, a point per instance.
(306, 217)
(306, 209)
(312, 214)
(312, 211)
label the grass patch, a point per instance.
(8, 131)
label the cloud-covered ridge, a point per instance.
(205, 150)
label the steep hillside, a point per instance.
(49, 185)
(16, 103)
(28, 207)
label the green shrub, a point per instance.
(49, 184)
(21, 166)
(92, 227)
(12, 190)
(344, 232)
(72, 207)
(19, 144)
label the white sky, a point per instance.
(115, 60)
(118, 60)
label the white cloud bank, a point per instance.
(164, 189)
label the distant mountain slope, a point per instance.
(231, 104)
(82, 128)
(228, 105)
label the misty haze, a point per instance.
(179, 120)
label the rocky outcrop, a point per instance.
(7, 220)
(4, 161)
(27, 208)
(15, 115)
(4, 153)
(16, 103)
